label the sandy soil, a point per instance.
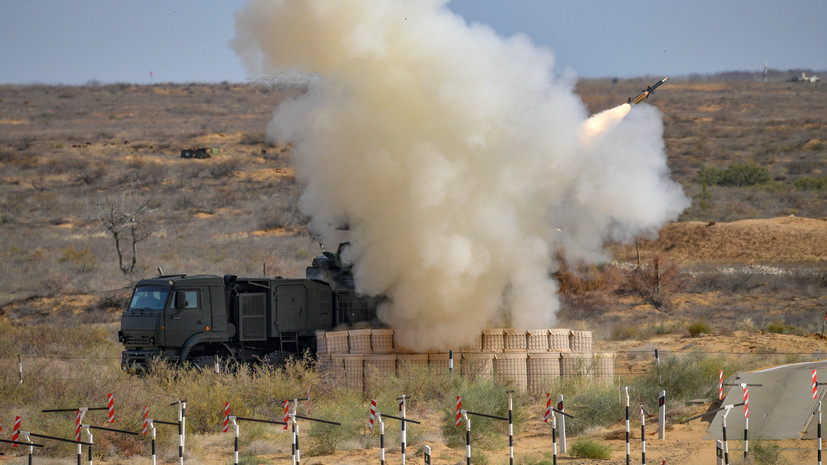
(786, 239)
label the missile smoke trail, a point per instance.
(460, 161)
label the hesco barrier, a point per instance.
(529, 360)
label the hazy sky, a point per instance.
(75, 41)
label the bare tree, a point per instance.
(127, 220)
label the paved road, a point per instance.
(781, 408)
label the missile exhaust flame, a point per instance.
(461, 162)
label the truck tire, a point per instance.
(203, 363)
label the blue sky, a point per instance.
(73, 42)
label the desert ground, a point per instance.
(745, 266)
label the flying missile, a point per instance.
(645, 93)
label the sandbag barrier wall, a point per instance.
(530, 360)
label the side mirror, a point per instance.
(180, 300)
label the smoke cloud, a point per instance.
(460, 161)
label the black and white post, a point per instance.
(151, 425)
(31, 445)
(381, 438)
(628, 446)
(427, 455)
(467, 436)
(550, 413)
(662, 415)
(819, 432)
(88, 429)
(91, 440)
(402, 427)
(727, 408)
(562, 429)
(510, 428)
(554, 437)
(182, 415)
(296, 439)
(642, 435)
(235, 444)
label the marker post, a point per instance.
(628, 446)
(465, 414)
(402, 420)
(510, 428)
(562, 425)
(403, 439)
(819, 432)
(642, 433)
(727, 408)
(43, 436)
(28, 442)
(381, 439)
(182, 418)
(662, 415)
(88, 429)
(152, 428)
(295, 418)
(550, 413)
(235, 445)
(235, 421)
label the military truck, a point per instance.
(200, 318)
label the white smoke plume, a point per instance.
(460, 161)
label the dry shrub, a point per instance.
(656, 282)
(589, 293)
(223, 168)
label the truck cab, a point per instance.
(169, 315)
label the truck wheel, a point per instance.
(276, 358)
(204, 362)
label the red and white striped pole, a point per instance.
(15, 430)
(548, 408)
(286, 413)
(146, 420)
(721, 385)
(226, 425)
(815, 385)
(372, 413)
(746, 420)
(78, 419)
(110, 402)
(459, 409)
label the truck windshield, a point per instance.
(149, 297)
